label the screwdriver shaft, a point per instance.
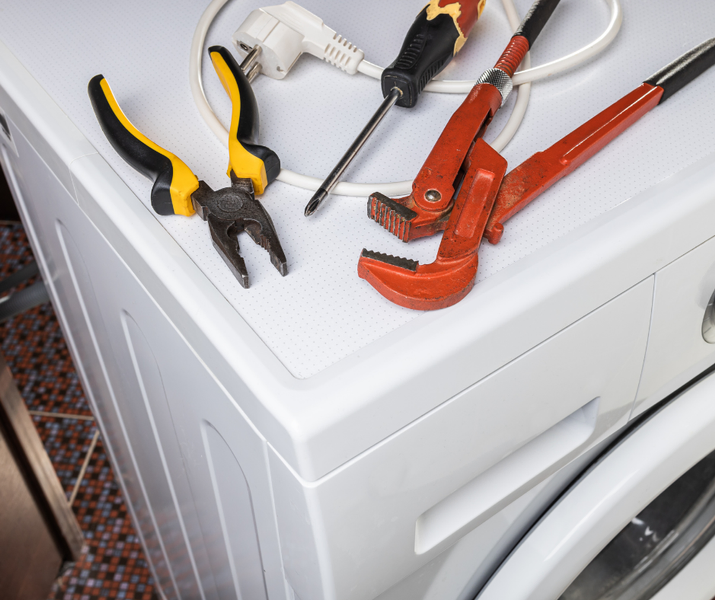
(332, 179)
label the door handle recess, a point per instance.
(490, 491)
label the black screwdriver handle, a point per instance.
(437, 34)
(684, 69)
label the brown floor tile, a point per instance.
(113, 565)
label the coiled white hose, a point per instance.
(522, 79)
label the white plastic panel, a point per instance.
(477, 500)
(461, 571)
(141, 374)
(367, 525)
(593, 512)
(39, 198)
(234, 507)
(322, 312)
(677, 350)
(158, 378)
(42, 122)
(220, 480)
(147, 484)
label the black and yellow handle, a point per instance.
(246, 158)
(174, 182)
(438, 33)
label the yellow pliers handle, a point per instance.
(246, 158)
(174, 182)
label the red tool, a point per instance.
(475, 212)
(450, 277)
(438, 33)
(460, 160)
(542, 170)
(432, 197)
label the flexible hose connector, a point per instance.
(500, 80)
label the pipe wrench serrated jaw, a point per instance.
(420, 287)
(427, 209)
(404, 218)
(451, 276)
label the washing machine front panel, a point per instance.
(682, 337)
(476, 461)
(608, 497)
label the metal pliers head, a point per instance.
(232, 210)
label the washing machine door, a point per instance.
(632, 521)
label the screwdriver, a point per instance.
(438, 33)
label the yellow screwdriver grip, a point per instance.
(174, 182)
(246, 158)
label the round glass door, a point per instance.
(656, 544)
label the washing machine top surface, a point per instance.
(322, 312)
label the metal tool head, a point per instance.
(451, 276)
(232, 210)
(421, 287)
(406, 219)
(426, 211)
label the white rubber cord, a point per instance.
(522, 79)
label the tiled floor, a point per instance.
(113, 563)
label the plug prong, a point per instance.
(254, 72)
(250, 60)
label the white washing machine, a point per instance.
(304, 438)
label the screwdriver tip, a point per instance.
(315, 202)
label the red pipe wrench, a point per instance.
(486, 198)
(460, 162)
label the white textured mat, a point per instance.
(321, 312)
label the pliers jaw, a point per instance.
(232, 210)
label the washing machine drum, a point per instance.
(629, 524)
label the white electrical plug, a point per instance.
(285, 32)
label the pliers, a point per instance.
(176, 189)
(485, 197)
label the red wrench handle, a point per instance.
(542, 170)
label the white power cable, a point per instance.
(522, 79)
